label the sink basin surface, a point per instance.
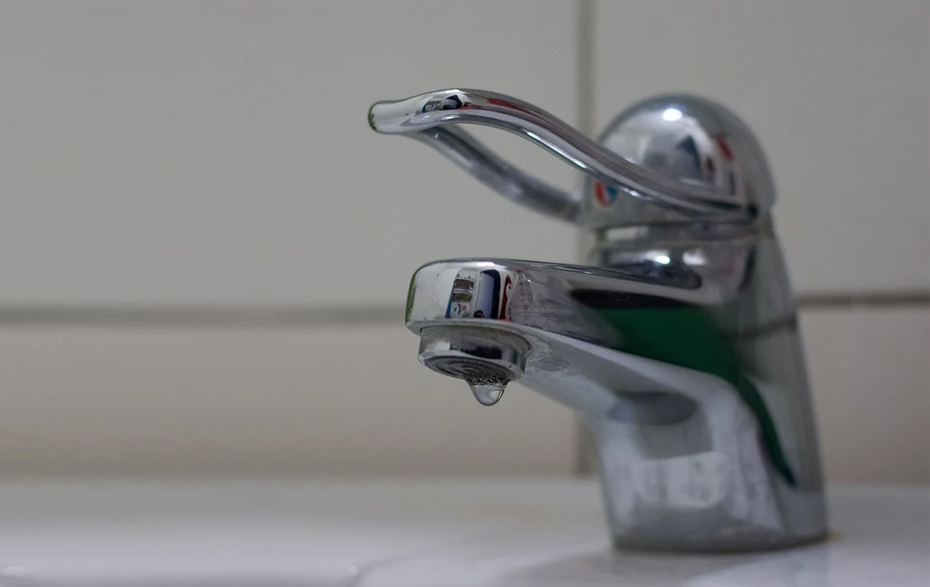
(436, 533)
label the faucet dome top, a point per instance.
(689, 139)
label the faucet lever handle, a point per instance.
(431, 119)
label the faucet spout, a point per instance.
(657, 354)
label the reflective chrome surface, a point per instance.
(679, 343)
(679, 139)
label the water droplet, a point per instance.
(487, 393)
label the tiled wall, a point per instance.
(205, 249)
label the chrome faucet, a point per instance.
(678, 343)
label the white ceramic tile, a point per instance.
(871, 384)
(197, 152)
(836, 91)
(329, 400)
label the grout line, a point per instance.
(585, 94)
(585, 68)
(303, 316)
(872, 299)
(585, 65)
(201, 316)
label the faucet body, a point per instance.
(678, 341)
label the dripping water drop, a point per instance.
(487, 393)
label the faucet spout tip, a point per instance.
(487, 359)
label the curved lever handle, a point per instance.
(429, 119)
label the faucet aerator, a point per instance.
(486, 358)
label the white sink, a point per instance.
(410, 533)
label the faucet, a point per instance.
(678, 340)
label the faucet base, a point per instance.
(721, 498)
(745, 546)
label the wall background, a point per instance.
(205, 249)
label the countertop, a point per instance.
(411, 532)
